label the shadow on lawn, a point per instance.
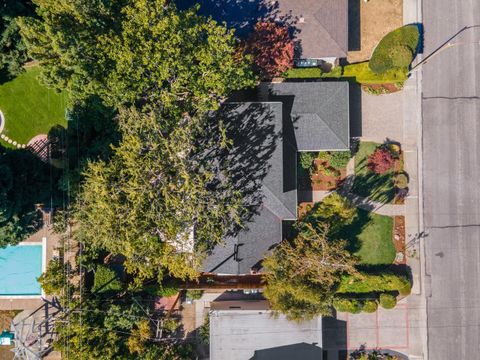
(350, 232)
(377, 187)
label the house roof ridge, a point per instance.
(272, 195)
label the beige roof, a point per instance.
(322, 26)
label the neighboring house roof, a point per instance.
(266, 135)
(322, 26)
(258, 335)
(323, 33)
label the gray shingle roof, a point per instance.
(258, 335)
(320, 113)
(266, 137)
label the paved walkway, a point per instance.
(375, 207)
(365, 203)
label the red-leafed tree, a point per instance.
(272, 48)
(380, 161)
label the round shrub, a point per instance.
(370, 306)
(306, 160)
(380, 161)
(352, 306)
(394, 149)
(401, 193)
(401, 56)
(405, 289)
(339, 159)
(395, 50)
(387, 301)
(401, 181)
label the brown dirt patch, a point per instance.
(399, 237)
(377, 18)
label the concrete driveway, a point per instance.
(383, 329)
(382, 117)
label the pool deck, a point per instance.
(32, 303)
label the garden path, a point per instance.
(366, 203)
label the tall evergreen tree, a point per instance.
(152, 197)
(136, 52)
(13, 52)
(302, 275)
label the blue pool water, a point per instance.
(20, 266)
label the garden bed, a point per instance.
(322, 171)
(381, 89)
(399, 239)
(326, 177)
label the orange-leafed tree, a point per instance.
(272, 48)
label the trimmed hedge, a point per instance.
(352, 306)
(395, 50)
(163, 290)
(369, 306)
(369, 283)
(357, 73)
(387, 301)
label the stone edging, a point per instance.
(5, 137)
(2, 121)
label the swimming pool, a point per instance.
(20, 266)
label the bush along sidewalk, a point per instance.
(396, 50)
(359, 73)
(365, 292)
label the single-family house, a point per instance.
(286, 118)
(319, 27)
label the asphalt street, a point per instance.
(451, 174)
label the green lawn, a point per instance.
(357, 73)
(370, 238)
(376, 241)
(377, 187)
(30, 108)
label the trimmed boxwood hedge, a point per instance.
(395, 50)
(387, 301)
(352, 306)
(370, 283)
(369, 306)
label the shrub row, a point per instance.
(355, 306)
(368, 283)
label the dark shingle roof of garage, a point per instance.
(319, 113)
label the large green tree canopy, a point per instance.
(13, 53)
(24, 182)
(302, 275)
(149, 198)
(136, 52)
